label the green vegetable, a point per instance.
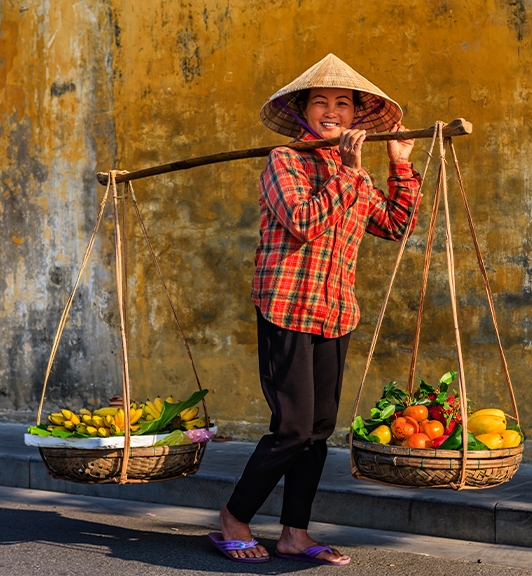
(455, 441)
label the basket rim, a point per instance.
(435, 453)
(140, 451)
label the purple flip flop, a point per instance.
(224, 545)
(309, 555)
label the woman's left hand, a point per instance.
(399, 150)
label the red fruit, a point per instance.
(450, 427)
(436, 413)
(451, 400)
(396, 414)
(431, 397)
(437, 442)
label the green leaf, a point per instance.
(39, 430)
(447, 378)
(169, 412)
(373, 438)
(359, 429)
(390, 386)
(375, 412)
(381, 404)
(425, 388)
(388, 412)
(441, 397)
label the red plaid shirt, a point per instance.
(314, 212)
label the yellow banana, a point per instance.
(135, 415)
(56, 418)
(61, 428)
(149, 418)
(111, 410)
(92, 431)
(120, 419)
(81, 428)
(115, 430)
(196, 423)
(170, 399)
(104, 432)
(85, 412)
(149, 408)
(158, 403)
(67, 414)
(86, 419)
(108, 420)
(135, 428)
(189, 414)
(133, 406)
(69, 425)
(70, 416)
(98, 421)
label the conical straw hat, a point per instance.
(377, 113)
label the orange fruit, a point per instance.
(433, 429)
(418, 412)
(418, 440)
(414, 423)
(401, 428)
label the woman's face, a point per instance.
(330, 111)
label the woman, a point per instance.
(315, 208)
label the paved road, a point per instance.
(48, 533)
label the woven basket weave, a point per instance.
(428, 468)
(144, 464)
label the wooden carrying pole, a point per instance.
(458, 127)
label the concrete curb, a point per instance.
(501, 515)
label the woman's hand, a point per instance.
(399, 150)
(350, 147)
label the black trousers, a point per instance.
(301, 377)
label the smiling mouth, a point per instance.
(330, 124)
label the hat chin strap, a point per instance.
(283, 105)
(375, 110)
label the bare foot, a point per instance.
(233, 529)
(295, 540)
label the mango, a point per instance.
(383, 433)
(488, 421)
(488, 411)
(493, 440)
(511, 439)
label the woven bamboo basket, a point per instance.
(437, 468)
(105, 466)
(427, 468)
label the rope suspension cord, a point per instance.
(388, 292)
(68, 305)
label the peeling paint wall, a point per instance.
(94, 85)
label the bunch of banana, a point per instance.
(64, 420)
(190, 420)
(152, 410)
(104, 422)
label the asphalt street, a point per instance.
(48, 533)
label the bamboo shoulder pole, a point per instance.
(458, 127)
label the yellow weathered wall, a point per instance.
(89, 86)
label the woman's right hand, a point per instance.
(350, 147)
